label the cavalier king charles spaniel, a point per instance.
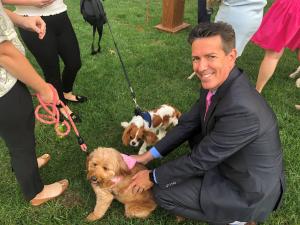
(149, 127)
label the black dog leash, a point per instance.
(137, 110)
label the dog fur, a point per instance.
(110, 178)
(138, 130)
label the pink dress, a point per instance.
(280, 27)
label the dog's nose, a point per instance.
(133, 143)
(94, 178)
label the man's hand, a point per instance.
(140, 182)
(35, 24)
(144, 158)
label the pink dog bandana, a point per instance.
(130, 161)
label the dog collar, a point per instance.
(147, 117)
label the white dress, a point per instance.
(244, 16)
(57, 7)
(7, 33)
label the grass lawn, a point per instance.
(158, 64)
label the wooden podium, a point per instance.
(172, 16)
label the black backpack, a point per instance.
(93, 12)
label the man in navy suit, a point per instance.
(234, 171)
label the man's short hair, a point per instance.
(224, 30)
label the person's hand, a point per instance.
(35, 24)
(48, 94)
(42, 3)
(140, 182)
(144, 158)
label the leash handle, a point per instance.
(53, 117)
(81, 143)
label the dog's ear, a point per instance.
(177, 113)
(166, 120)
(124, 124)
(150, 137)
(88, 158)
(156, 121)
(126, 136)
(87, 161)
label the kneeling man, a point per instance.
(234, 171)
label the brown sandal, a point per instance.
(38, 201)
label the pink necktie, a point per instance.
(208, 101)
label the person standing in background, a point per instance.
(244, 16)
(203, 14)
(279, 29)
(60, 41)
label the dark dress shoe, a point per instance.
(79, 99)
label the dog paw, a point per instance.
(92, 217)
(293, 75)
(142, 151)
(124, 124)
(298, 83)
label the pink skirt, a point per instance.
(280, 27)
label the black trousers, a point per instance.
(203, 16)
(60, 40)
(183, 199)
(17, 130)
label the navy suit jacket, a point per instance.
(236, 151)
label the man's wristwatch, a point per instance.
(151, 177)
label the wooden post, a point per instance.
(172, 16)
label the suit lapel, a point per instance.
(202, 103)
(235, 72)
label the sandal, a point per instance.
(43, 160)
(38, 201)
(79, 99)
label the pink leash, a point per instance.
(52, 116)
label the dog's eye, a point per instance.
(94, 164)
(131, 137)
(138, 139)
(105, 168)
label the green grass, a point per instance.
(158, 64)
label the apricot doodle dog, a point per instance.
(110, 174)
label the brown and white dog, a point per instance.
(110, 177)
(294, 75)
(151, 128)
